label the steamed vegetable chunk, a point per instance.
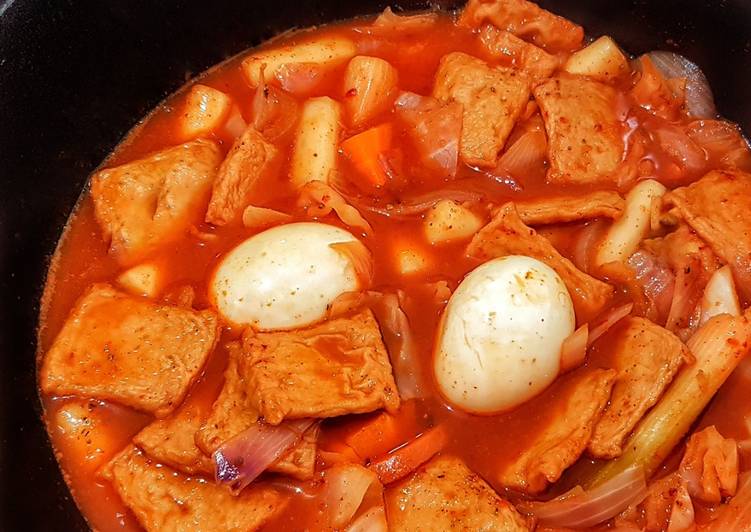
(129, 350)
(492, 100)
(147, 203)
(585, 136)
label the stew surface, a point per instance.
(433, 271)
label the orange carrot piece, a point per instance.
(406, 459)
(384, 432)
(365, 149)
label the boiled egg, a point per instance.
(284, 277)
(500, 338)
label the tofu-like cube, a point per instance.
(492, 99)
(315, 151)
(324, 52)
(206, 109)
(602, 60)
(449, 221)
(144, 204)
(142, 280)
(370, 85)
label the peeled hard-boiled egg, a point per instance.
(284, 277)
(500, 338)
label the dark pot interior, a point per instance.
(76, 76)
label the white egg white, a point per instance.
(284, 277)
(501, 334)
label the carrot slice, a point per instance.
(384, 432)
(365, 150)
(406, 459)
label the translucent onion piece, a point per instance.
(612, 317)
(388, 20)
(319, 199)
(374, 520)
(579, 508)
(528, 151)
(699, 99)
(274, 111)
(396, 331)
(736, 515)
(435, 129)
(419, 204)
(260, 217)
(720, 296)
(361, 260)
(346, 486)
(235, 124)
(657, 281)
(239, 461)
(574, 349)
(299, 78)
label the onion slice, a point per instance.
(318, 199)
(699, 99)
(574, 349)
(578, 508)
(396, 331)
(346, 487)
(260, 217)
(360, 257)
(374, 520)
(388, 20)
(736, 515)
(414, 206)
(239, 461)
(235, 124)
(612, 317)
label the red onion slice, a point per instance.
(699, 99)
(612, 317)
(239, 461)
(579, 508)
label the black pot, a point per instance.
(76, 76)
